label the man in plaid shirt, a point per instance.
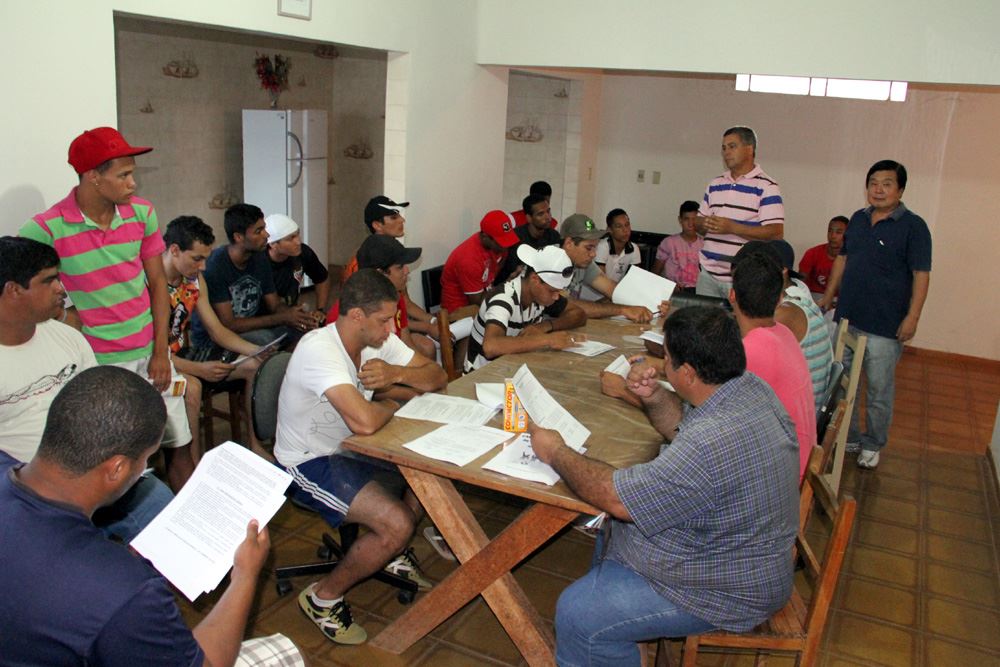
(702, 535)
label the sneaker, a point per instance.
(405, 566)
(852, 447)
(868, 459)
(435, 540)
(335, 622)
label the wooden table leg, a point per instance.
(485, 569)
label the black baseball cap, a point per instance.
(380, 252)
(381, 206)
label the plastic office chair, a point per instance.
(264, 409)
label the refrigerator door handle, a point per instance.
(297, 160)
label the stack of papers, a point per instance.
(193, 540)
(458, 444)
(642, 288)
(518, 460)
(447, 410)
(590, 348)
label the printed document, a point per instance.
(193, 540)
(457, 443)
(447, 410)
(518, 460)
(546, 412)
(642, 288)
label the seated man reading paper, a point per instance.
(73, 597)
(702, 535)
(334, 387)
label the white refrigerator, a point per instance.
(284, 169)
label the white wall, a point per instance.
(819, 149)
(64, 82)
(918, 40)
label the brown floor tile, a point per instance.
(366, 654)
(564, 556)
(959, 525)
(965, 623)
(447, 656)
(481, 632)
(962, 462)
(878, 601)
(876, 564)
(898, 464)
(887, 536)
(938, 652)
(956, 552)
(948, 476)
(894, 487)
(950, 498)
(962, 584)
(871, 641)
(890, 509)
(950, 428)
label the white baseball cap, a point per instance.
(279, 226)
(551, 263)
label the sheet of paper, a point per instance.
(652, 336)
(457, 443)
(642, 288)
(619, 366)
(518, 460)
(590, 348)
(546, 411)
(192, 541)
(490, 394)
(461, 329)
(447, 410)
(263, 348)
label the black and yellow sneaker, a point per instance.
(405, 565)
(335, 622)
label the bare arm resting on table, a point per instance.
(662, 407)
(420, 373)
(606, 286)
(592, 480)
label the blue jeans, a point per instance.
(600, 617)
(126, 517)
(879, 365)
(707, 285)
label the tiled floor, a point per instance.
(920, 586)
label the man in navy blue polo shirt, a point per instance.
(883, 273)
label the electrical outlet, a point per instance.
(656, 178)
(641, 178)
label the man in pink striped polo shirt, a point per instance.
(109, 248)
(741, 205)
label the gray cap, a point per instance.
(579, 226)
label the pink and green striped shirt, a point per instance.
(103, 273)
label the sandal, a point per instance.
(436, 541)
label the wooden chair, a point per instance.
(450, 351)
(849, 382)
(234, 389)
(798, 627)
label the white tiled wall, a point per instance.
(532, 99)
(195, 125)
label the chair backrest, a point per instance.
(824, 573)
(430, 279)
(849, 381)
(264, 400)
(831, 396)
(447, 348)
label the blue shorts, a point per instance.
(328, 484)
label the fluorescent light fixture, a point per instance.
(789, 85)
(858, 89)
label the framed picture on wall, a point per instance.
(299, 9)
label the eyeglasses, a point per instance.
(565, 273)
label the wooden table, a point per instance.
(620, 436)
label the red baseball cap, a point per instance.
(95, 147)
(499, 225)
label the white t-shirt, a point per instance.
(32, 375)
(615, 266)
(308, 426)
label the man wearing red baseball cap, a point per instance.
(109, 248)
(472, 267)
